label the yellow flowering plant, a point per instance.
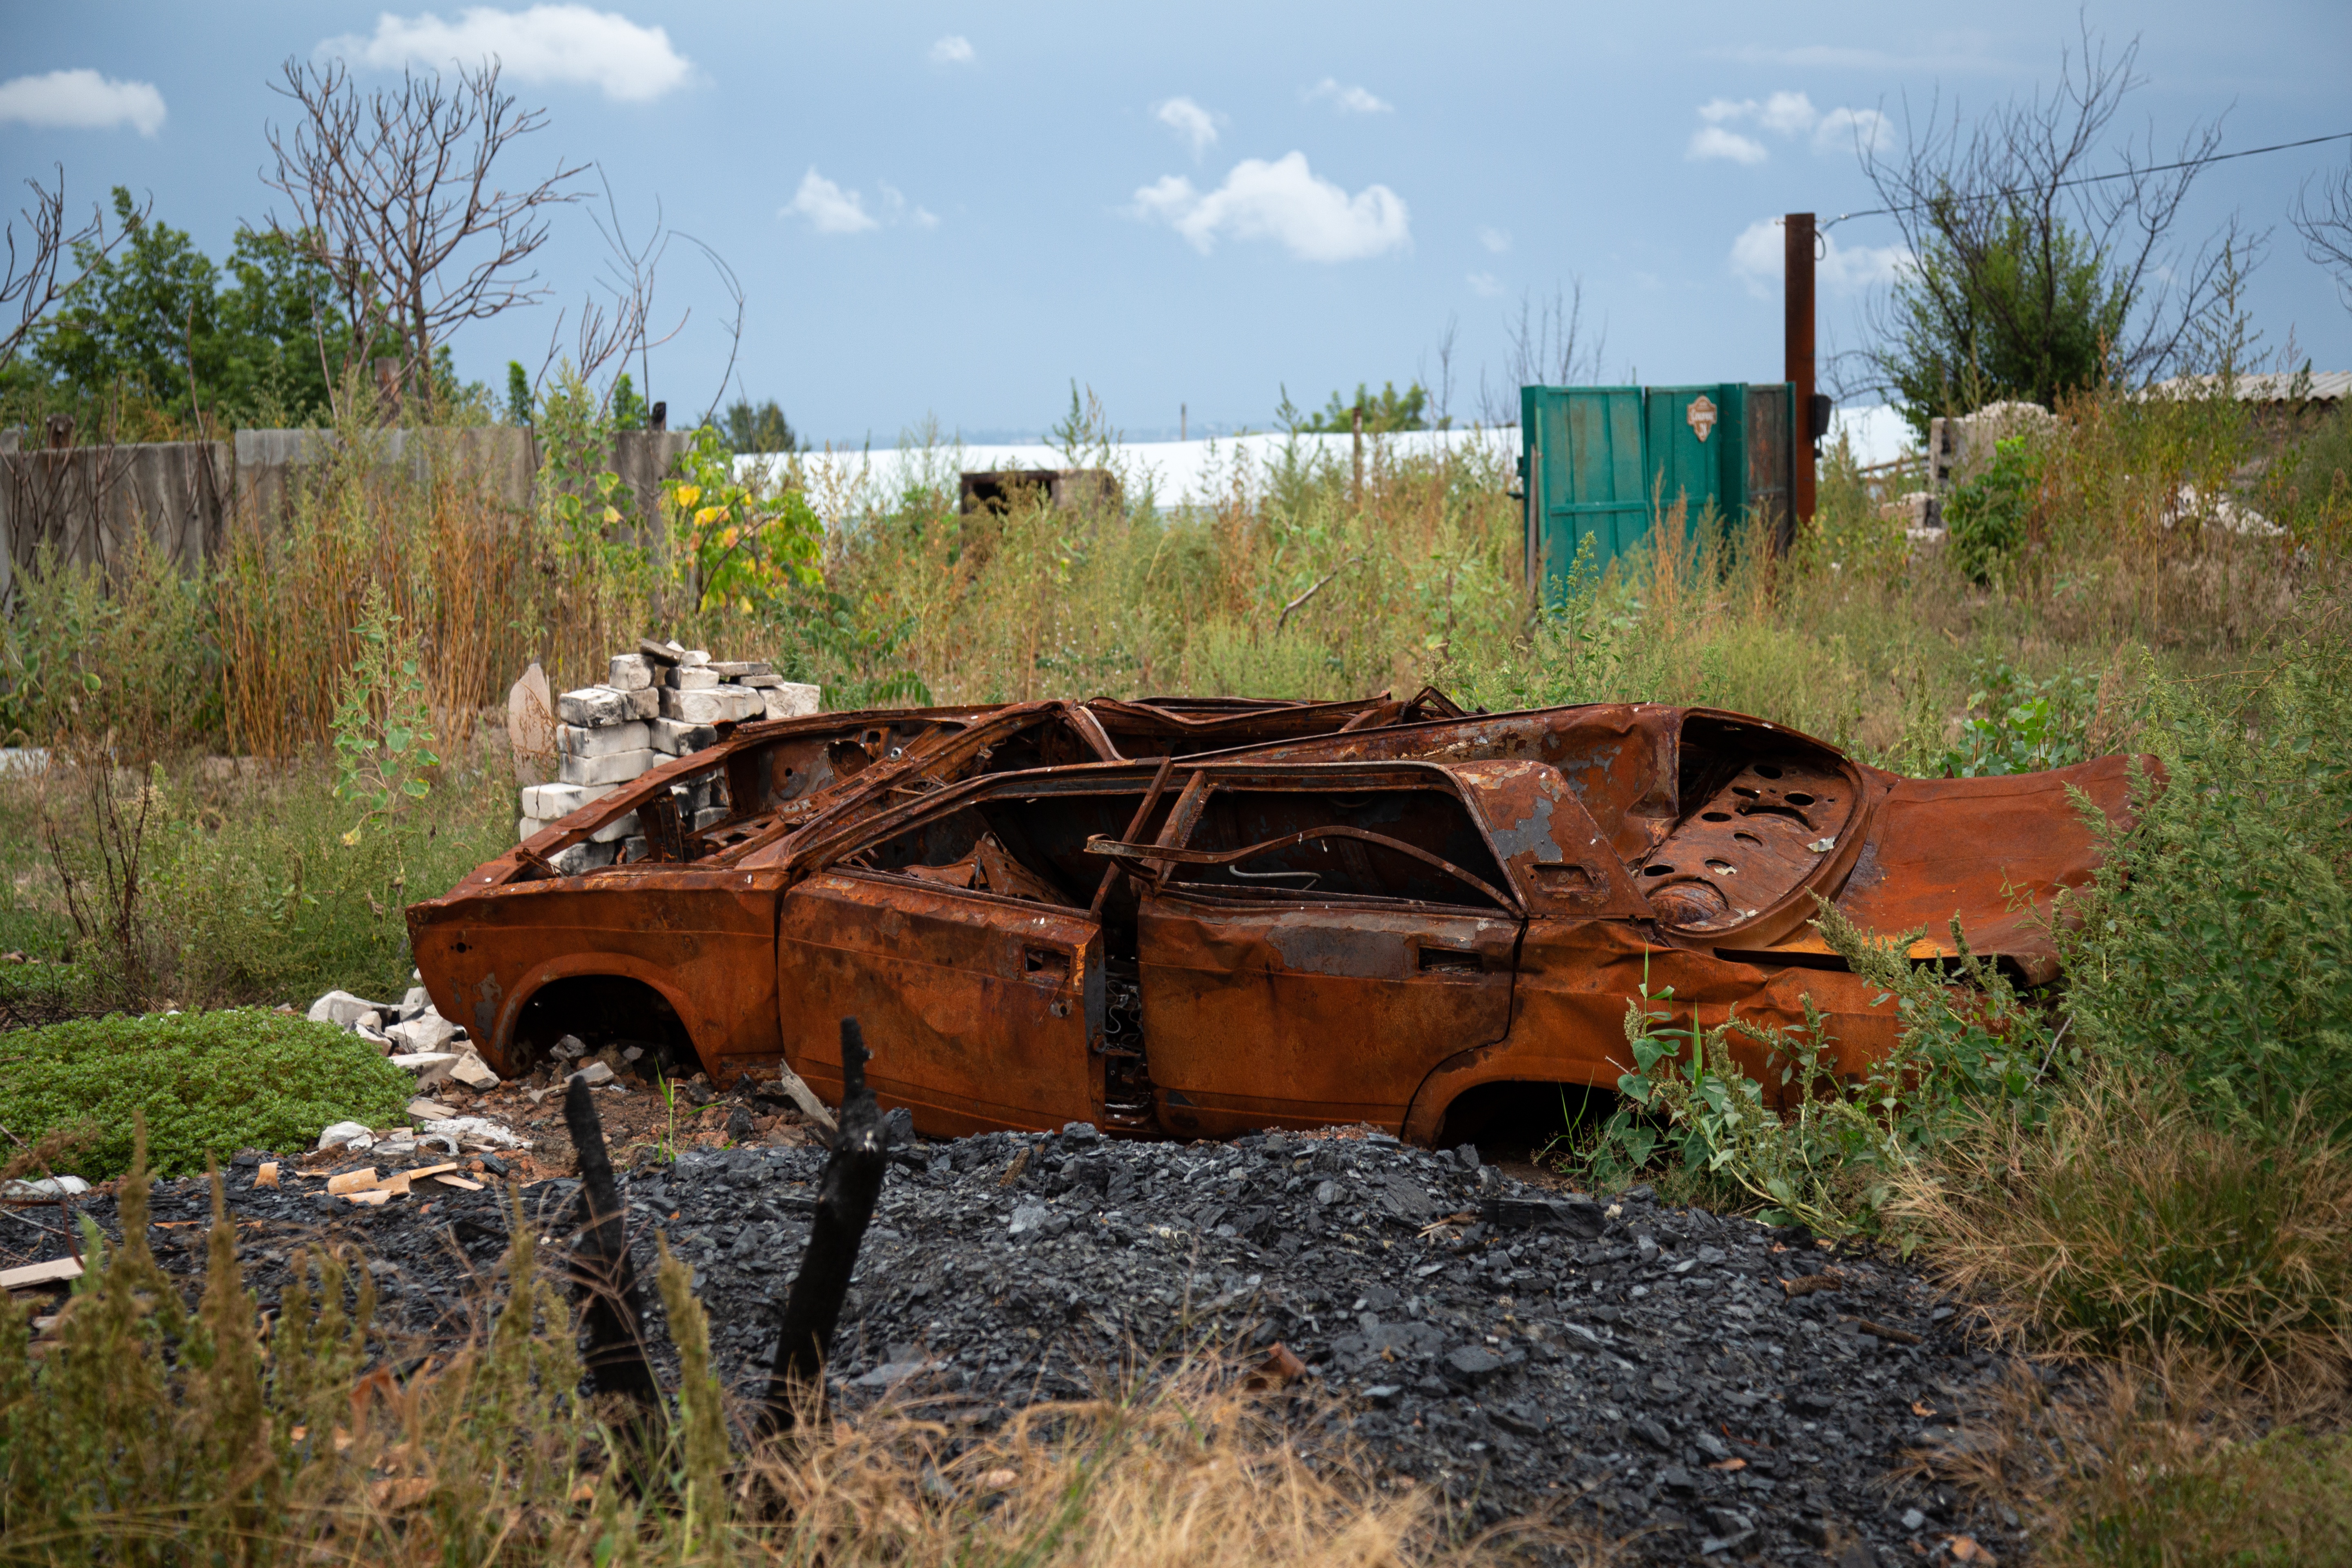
(746, 551)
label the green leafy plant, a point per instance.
(382, 720)
(2016, 724)
(206, 1084)
(746, 551)
(1985, 520)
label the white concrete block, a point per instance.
(645, 702)
(742, 703)
(473, 1072)
(619, 827)
(737, 669)
(708, 814)
(618, 768)
(630, 672)
(676, 738)
(693, 678)
(582, 858)
(791, 700)
(694, 656)
(594, 705)
(698, 707)
(528, 828)
(551, 802)
(571, 741)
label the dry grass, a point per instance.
(2132, 1226)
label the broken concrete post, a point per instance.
(845, 1205)
(605, 1275)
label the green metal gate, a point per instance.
(1584, 475)
(1599, 459)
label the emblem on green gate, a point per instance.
(1701, 417)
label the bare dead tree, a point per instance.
(394, 195)
(1549, 348)
(44, 260)
(1441, 387)
(2031, 248)
(2326, 224)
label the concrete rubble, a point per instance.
(660, 702)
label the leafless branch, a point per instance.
(2326, 225)
(734, 287)
(1549, 348)
(36, 274)
(394, 195)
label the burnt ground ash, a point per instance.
(1516, 1347)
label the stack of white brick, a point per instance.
(660, 702)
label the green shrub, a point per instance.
(209, 1084)
(1985, 520)
(2218, 939)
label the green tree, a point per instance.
(518, 398)
(2041, 253)
(760, 430)
(1386, 411)
(628, 408)
(2030, 313)
(159, 322)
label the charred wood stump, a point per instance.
(603, 1276)
(845, 1205)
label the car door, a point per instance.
(978, 1007)
(1315, 940)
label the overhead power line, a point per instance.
(2095, 179)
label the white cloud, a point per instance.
(1497, 240)
(1190, 121)
(955, 49)
(901, 212)
(1484, 283)
(1283, 201)
(1788, 114)
(1347, 100)
(1714, 142)
(828, 208)
(81, 100)
(1843, 129)
(1758, 255)
(566, 43)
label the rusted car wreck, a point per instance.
(1193, 918)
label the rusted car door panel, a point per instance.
(1576, 978)
(1941, 847)
(979, 1010)
(1302, 1016)
(703, 939)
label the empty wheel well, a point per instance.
(1517, 1120)
(603, 1010)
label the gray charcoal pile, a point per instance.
(660, 702)
(1718, 1391)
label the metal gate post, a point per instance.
(1797, 239)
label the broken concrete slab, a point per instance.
(341, 1010)
(423, 1110)
(47, 1187)
(593, 1074)
(693, 678)
(473, 1072)
(629, 672)
(428, 1031)
(352, 1135)
(475, 1133)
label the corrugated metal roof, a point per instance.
(2319, 387)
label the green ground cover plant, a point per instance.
(206, 1084)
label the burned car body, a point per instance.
(1366, 919)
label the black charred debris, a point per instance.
(1517, 1348)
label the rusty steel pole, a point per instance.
(1797, 238)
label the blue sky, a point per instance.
(956, 211)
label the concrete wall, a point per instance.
(86, 502)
